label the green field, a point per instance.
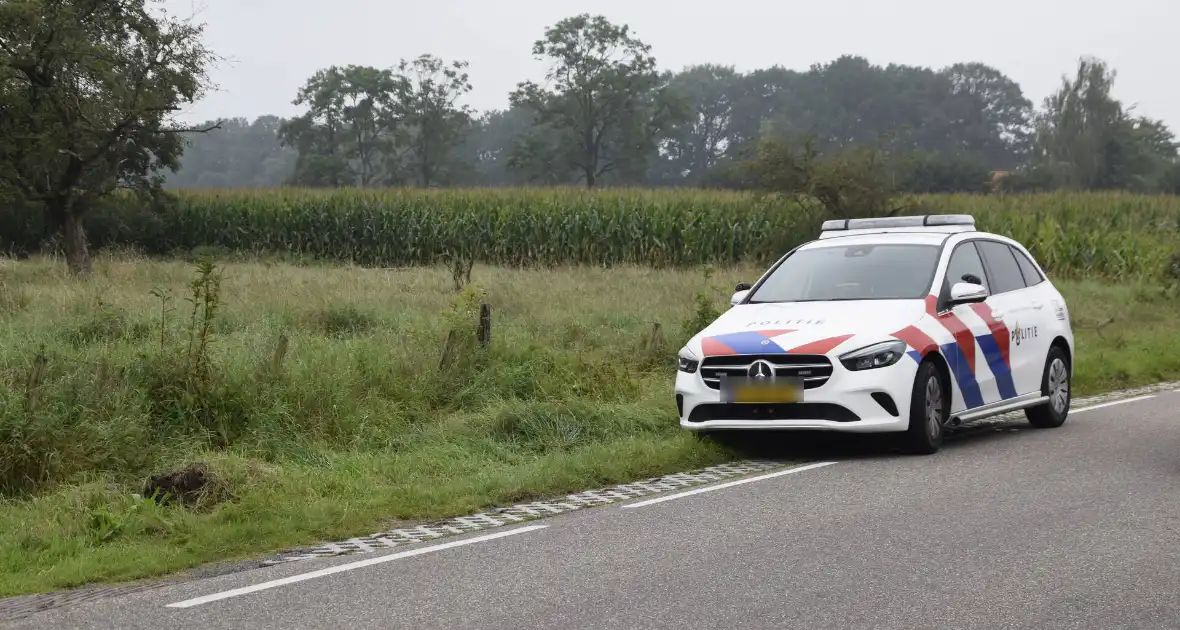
(352, 424)
(1108, 235)
(356, 427)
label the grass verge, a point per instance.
(350, 425)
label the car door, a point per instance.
(1014, 304)
(1041, 317)
(975, 375)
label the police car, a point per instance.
(903, 325)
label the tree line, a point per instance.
(605, 114)
(89, 91)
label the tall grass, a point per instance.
(317, 397)
(1109, 235)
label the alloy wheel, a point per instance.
(934, 417)
(1058, 385)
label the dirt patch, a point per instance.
(191, 485)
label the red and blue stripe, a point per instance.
(995, 346)
(745, 342)
(960, 354)
(759, 342)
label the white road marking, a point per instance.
(468, 541)
(1111, 404)
(729, 484)
(196, 601)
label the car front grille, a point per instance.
(814, 369)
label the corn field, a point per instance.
(1110, 235)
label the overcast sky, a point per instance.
(273, 46)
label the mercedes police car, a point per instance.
(900, 325)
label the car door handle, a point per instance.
(1038, 306)
(997, 314)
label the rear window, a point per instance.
(1005, 273)
(852, 272)
(1027, 268)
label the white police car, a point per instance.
(901, 324)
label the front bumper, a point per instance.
(868, 401)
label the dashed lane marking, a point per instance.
(246, 590)
(1111, 404)
(728, 484)
(520, 512)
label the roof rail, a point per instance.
(920, 223)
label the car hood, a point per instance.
(805, 327)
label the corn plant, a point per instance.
(1108, 235)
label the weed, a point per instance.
(462, 325)
(164, 295)
(206, 300)
(705, 309)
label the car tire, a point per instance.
(930, 404)
(1055, 383)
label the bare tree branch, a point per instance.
(192, 129)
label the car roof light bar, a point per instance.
(929, 220)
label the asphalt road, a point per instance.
(1077, 527)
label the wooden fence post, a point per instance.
(485, 324)
(448, 352)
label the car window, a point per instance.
(1027, 268)
(1005, 272)
(851, 272)
(965, 263)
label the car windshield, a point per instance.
(851, 272)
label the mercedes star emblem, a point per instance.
(761, 370)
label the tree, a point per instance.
(990, 114)
(86, 90)
(428, 104)
(924, 171)
(345, 136)
(696, 143)
(966, 109)
(1152, 156)
(759, 96)
(486, 149)
(1086, 139)
(599, 96)
(1169, 183)
(238, 154)
(844, 184)
(1076, 132)
(542, 154)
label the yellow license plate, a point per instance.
(776, 392)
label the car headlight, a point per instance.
(687, 362)
(877, 355)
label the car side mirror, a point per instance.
(742, 290)
(967, 293)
